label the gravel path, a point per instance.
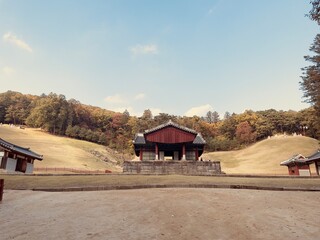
(160, 214)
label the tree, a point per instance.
(145, 121)
(125, 116)
(228, 127)
(308, 119)
(310, 83)
(14, 107)
(264, 128)
(314, 13)
(227, 115)
(51, 113)
(209, 117)
(212, 117)
(244, 133)
(163, 118)
(216, 117)
(311, 75)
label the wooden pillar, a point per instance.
(157, 152)
(4, 160)
(1, 188)
(183, 152)
(317, 164)
(141, 153)
(197, 154)
(289, 170)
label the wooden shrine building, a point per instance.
(170, 149)
(16, 158)
(169, 141)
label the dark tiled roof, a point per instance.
(170, 123)
(199, 139)
(139, 139)
(299, 158)
(314, 156)
(24, 151)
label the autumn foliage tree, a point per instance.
(245, 133)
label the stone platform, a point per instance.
(173, 167)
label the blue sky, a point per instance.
(179, 57)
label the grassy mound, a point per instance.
(264, 157)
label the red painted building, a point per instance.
(300, 166)
(297, 166)
(169, 141)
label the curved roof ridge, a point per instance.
(167, 124)
(297, 158)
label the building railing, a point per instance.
(66, 169)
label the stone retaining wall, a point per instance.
(173, 167)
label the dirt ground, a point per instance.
(160, 214)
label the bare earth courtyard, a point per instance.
(160, 214)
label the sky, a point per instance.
(181, 57)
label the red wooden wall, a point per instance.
(294, 170)
(170, 135)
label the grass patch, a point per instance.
(62, 151)
(31, 182)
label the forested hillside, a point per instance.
(57, 115)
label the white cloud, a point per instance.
(115, 99)
(8, 71)
(140, 96)
(11, 38)
(199, 111)
(144, 49)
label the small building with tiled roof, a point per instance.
(169, 141)
(16, 158)
(300, 165)
(297, 165)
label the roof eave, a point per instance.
(168, 124)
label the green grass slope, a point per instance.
(264, 157)
(62, 151)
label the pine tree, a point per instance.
(310, 83)
(314, 13)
